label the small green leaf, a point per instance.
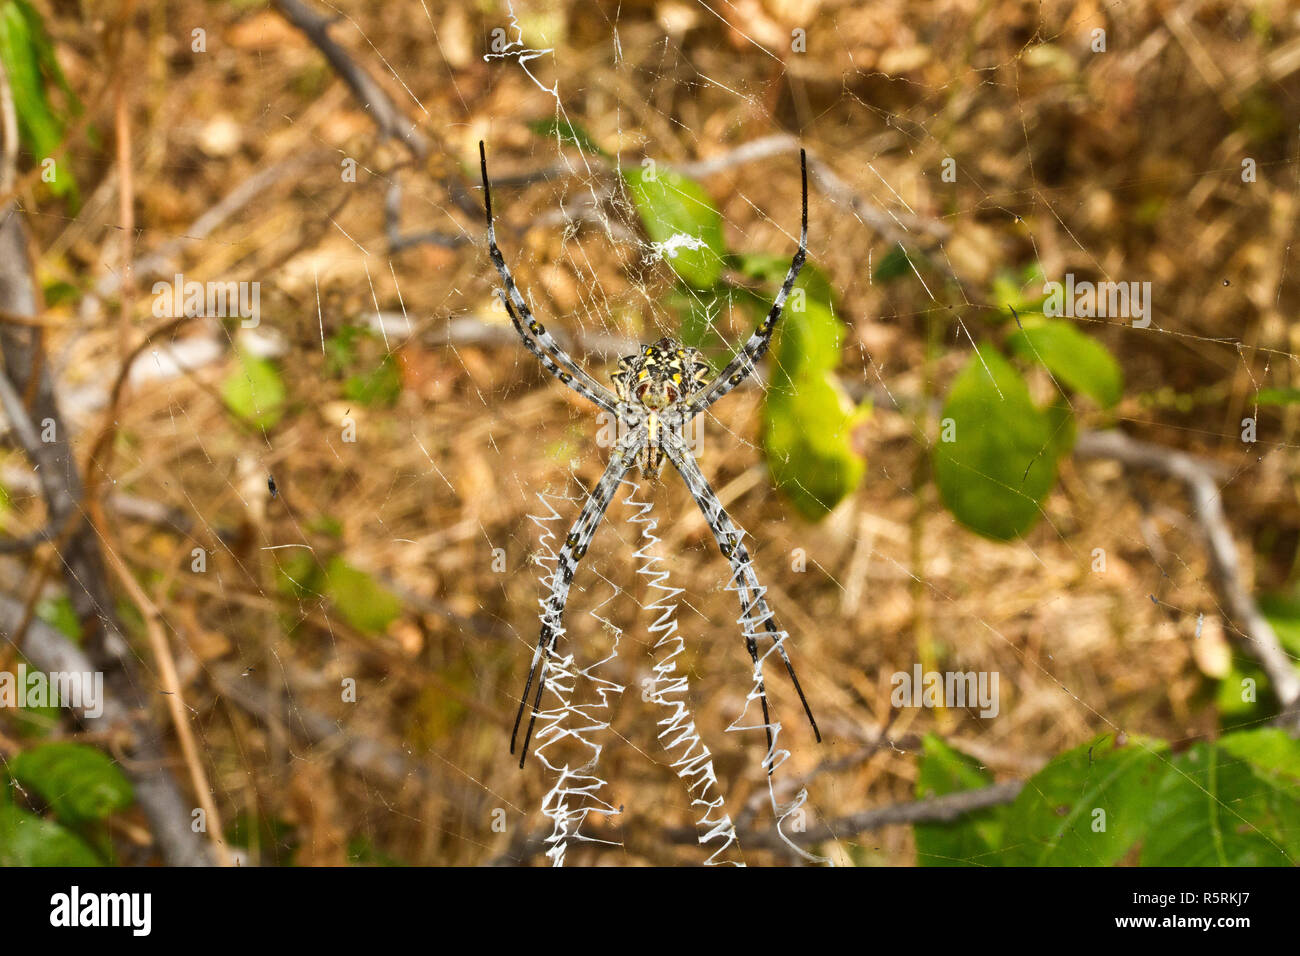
(254, 391)
(30, 63)
(326, 525)
(566, 132)
(808, 427)
(976, 837)
(697, 312)
(363, 602)
(1077, 361)
(27, 840)
(1283, 613)
(807, 340)
(894, 265)
(59, 614)
(77, 781)
(1233, 703)
(1278, 396)
(1025, 293)
(1064, 429)
(1269, 749)
(1088, 807)
(773, 270)
(378, 388)
(342, 347)
(999, 467)
(682, 221)
(299, 575)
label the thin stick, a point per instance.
(175, 702)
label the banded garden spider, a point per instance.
(656, 393)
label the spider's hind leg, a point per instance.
(753, 606)
(575, 547)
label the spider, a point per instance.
(656, 393)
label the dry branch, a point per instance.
(369, 94)
(1198, 477)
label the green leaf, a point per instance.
(1278, 396)
(974, 838)
(894, 265)
(364, 603)
(566, 132)
(1269, 749)
(808, 430)
(1283, 612)
(35, 722)
(696, 312)
(59, 614)
(1234, 804)
(1055, 820)
(27, 840)
(807, 340)
(773, 270)
(681, 219)
(1060, 420)
(1229, 696)
(254, 391)
(342, 347)
(1076, 361)
(77, 781)
(378, 388)
(1001, 464)
(299, 575)
(29, 60)
(1024, 293)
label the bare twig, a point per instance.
(896, 226)
(361, 754)
(944, 809)
(393, 224)
(368, 93)
(1225, 566)
(173, 691)
(159, 260)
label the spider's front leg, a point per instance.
(742, 366)
(534, 335)
(753, 606)
(575, 547)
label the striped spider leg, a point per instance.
(624, 456)
(754, 609)
(742, 365)
(536, 339)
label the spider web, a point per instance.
(439, 489)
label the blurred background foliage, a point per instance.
(906, 474)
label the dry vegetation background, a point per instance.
(1123, 165)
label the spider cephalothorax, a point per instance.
(661, 374)
(658, 379)
(656, 395)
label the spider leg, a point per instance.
(575, 547)
(729, 536)
(742, 365)
(537, 340)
